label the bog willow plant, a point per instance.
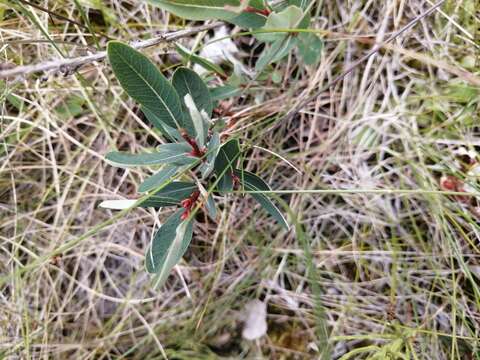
(181, 109)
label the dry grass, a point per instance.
(394, 269)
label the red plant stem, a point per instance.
(236, 180)
(264, 12)
(189, 203)
(196, 151)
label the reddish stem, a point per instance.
(189, 203)
(236, 180)
(264, 12)
(196, 151)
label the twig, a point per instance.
(68, 66)
(376, 48)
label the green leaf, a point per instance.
(254, 183)
(249, 20)
(300, 3)
(70, 107)
(219, 125)
(145, 84)
(224, 92)
(199, 9)
(225, 162)
(158, 179)
(212, 152)
(186, 81)
(168, 246)
(277, 77)
(310, 48)
(289, 18)
(168, 132)
(167, 154)
(200, 121)
(196, 59)
(211, 207)
(275, 52)
(257, 4)
(170, 195)
(212, 9)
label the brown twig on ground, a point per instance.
(70, 65)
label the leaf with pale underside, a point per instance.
(213, 148)
(228, 10)
(170, 195)
(199, 9)
(178, 154)
(199, 119)
(168, 246)
(117, 204)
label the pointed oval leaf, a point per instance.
(212, 152)
(170, 195)
(158, 179)
(254, 183)
(225, 162)
(199, 9)
(212, 9)
(200, 121)
(141, 79)
(211, 207)
(168, 246)
(167, 154)
(117, 204)
(186, 81)
(310, 48)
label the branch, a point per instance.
(68, 66)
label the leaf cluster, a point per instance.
(181, 110)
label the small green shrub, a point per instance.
(181, 110)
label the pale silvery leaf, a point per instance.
(212, 152)
(174, 252)
(198, 120)
(117, 204)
